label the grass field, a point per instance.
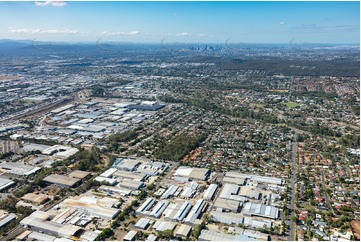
(292, 105)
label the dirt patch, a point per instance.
(356, 228)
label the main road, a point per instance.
(292, 191)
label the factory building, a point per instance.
(61, 180)
(192, 173)
(5, 183)
(171, 190)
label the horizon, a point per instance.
(186, 22)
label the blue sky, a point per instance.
(211, 22)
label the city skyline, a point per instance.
(185, 22)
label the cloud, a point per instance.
(50, 3)
(134, 32)
(335, 28)
(282, 23)
(183, 34)
(201, 35)
(42, 31)
(174, 14)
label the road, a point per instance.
(325, 193)
(292, 191)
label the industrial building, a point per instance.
(257, 223)
(183, 231)
(131, 184)
(79, 174)
(209, 193)
(142, 223)
(226, 218)
(170, 191)
(260, 210)
(163, 226)
(61, 180)
(177, 211)
(18, 168)
(159, 208)
(192, 173)
(95, 207)
(228, 205)
(6, 218)
(130, 236)
(36, 199)
(5, 183)
(211, 235)
(125, 164)
(195, 212)
(146, 205)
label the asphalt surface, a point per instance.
(292, 191)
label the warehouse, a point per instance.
(36, 199)
(18, 169)
(183, 231)
(79, 174)
(209, 193)
(142, 223)
(256, 223)
(5, 183)
(195, 212)
(61, 180)
(234, 180)
(228, 205)
(192, 173)
(210, 235)
(261, 210)
(171, 190)
(131, 184)
(129, 175)
(6, 218)
(163, 226)
(159, 208)
(147, 204)
(111, 189)
(93, 206)
(126, 164)
(250, 192)
(268, 180)
(177, 211)
(130, 236)
(226, 218)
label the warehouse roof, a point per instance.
(61, 180)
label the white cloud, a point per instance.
(42, 31)
(282, 23)
(50, 3)
(134, 32)
(183, 34)
(201, 35)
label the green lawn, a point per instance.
(292, 105)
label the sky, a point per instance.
(182, 22)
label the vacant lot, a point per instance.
(292, 105)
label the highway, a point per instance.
(292, 191)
